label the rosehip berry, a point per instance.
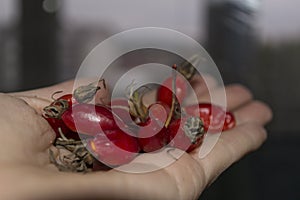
(53, 112)
(152, 134)
(159, 111)
(212, 116)
(164, 94)
(90, 119)
(114, 147)
(67, 97)
(186, 134)
(229, 121)
(149, 142)
(120, 107)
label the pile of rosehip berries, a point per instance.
(116, 133)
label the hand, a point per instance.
(26, 138)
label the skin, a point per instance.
(26, 138)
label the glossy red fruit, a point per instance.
(90, 119)
(213, 117)
(152, 134)
(114, 147)
(186, 134)
(164, 94)
(67, 97)
(120, 107)
(57, 124)
(229, 121)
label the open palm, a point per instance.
(26, 139)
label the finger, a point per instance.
(254, 111)
(231, 146)
(236, 95)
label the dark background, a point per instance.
(40, 44)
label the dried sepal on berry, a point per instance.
(86, 93)
(72, 155)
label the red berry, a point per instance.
(120, 107)
(164, 94)
(152, 134)
(186, 134)
(212, 116)
(229, 121)
(159, 111)
(53, 112)
(114, 147)
(69, 98)
(90, 119)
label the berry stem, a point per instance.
(174, 75)
(55, 93)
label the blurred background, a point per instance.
(254, 42)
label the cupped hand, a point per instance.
(26, 139)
